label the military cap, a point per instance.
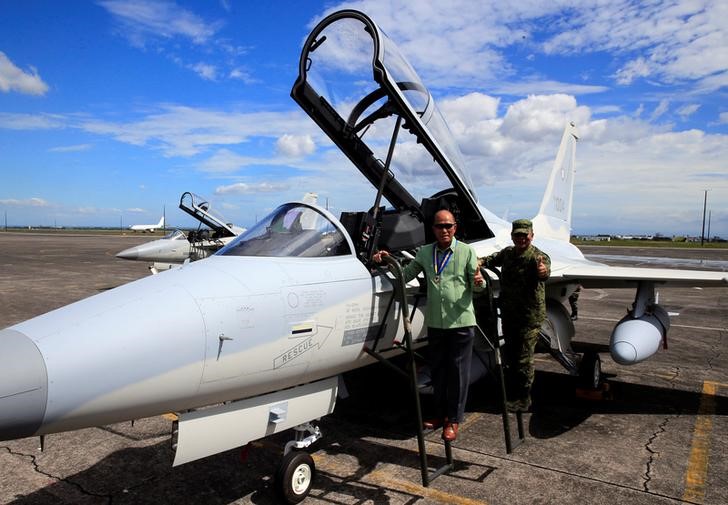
(522, 226)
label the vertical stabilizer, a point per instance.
(161, 222)
(554, 216)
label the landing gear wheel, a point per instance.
(590, 370)
(295, 476)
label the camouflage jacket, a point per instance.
(522, 293)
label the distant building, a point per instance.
(634, 237)
(593, 238)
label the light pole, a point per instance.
(702, 233)
(710, 214)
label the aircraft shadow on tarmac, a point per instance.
(143, 475)
(381, 400)
(557, 408)
(380, 406)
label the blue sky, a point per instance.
(111, 109)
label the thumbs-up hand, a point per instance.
(541, 267)
(478, 278)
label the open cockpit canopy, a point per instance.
(200, 208)
(357, 86)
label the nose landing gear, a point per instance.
(297, 470)
(295, 476)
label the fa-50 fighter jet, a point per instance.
(250, 341)
(177, 246)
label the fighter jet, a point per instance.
(148, 227)
(251, 341)
(176, 247)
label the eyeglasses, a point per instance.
(443, 226)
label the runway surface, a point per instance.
(657, 436)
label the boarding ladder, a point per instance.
(482, 344)
(488, 316)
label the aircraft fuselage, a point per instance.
(212, 331)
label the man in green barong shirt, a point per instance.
(524, 269)
(451, 271)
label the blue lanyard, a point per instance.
(439, 265)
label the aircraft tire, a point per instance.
(295, 476)
(590, 370)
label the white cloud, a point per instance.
(241, 74)
(11, 121)
(145, 19)
(473, 120)
(295, 146)
(471, 44)
(606, 109)
(651, 181)
(225, 161)
(242, 188)
(660, 109)
(442, 43)
(688, 110)
(29, 202)
(178, 34)
(472, 107)
(531, 118)
(509, 157)
(13, 78)
(673, 41)
(712, 83)
(187, 131)
(205, 70)
(633, 70)
(535, 86)
(71, 149)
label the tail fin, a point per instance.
(554, 217)
(161, 222)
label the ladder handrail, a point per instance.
(400, 290)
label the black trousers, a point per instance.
(450, 354)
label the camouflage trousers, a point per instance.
(518, 360)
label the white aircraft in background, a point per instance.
(177, 247)
(252, 340)
(148, 227)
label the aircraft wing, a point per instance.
(596, 275)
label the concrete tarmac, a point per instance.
(658, 435)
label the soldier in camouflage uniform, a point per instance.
(524, 268)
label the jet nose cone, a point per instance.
(131, 253)
(624, 353)
(24, 386)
